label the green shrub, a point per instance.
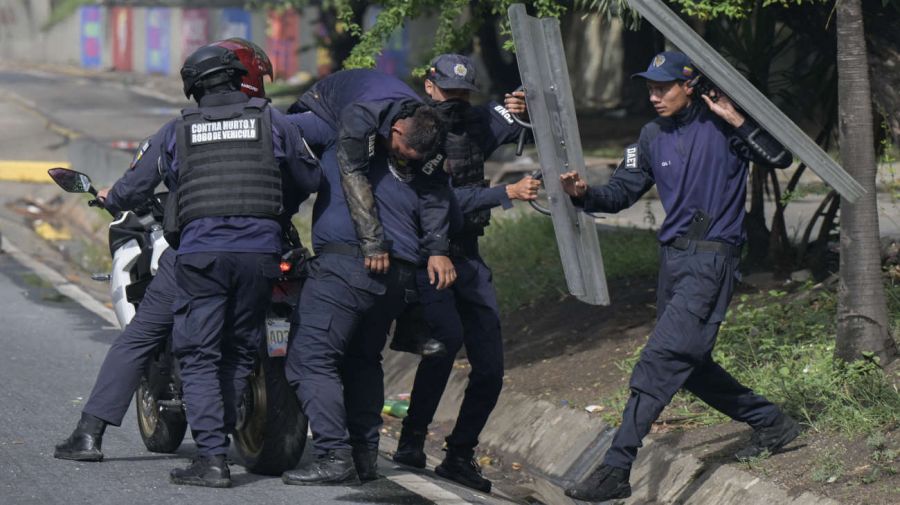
(522, 253)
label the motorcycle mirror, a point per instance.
(71, 180)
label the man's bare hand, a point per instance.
(724, 108)
(526, 189)
(515, 103)
(572, 184)
(378, 263)
(101, 195)
(442, 271)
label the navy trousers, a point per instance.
(692, 297)
(465, 314)
(334, 354)
(220, 309)
(129, 354)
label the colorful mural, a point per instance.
(283, 41)
(158, 33)
(91, 37)
(194, 30)
(235, 23)
(121, 22)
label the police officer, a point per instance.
(224, 161)
(696, 152)
(467, 313)
(129, 354)
(371, 127)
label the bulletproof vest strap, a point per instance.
(226, 165)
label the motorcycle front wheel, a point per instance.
(162, 428)
(271, 430)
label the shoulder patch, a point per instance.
(499, 109)
(371, 142)
(631, 157)
(432, 164)
(145, 145)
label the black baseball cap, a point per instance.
(452, 71)
(669, 66)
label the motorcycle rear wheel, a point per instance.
(271, 430)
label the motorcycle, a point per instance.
(270, 432)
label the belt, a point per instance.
(354, 251)
(683, 244)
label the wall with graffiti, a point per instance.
(155, 40)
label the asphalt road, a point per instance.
(52, 350)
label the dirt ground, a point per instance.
(569, 353)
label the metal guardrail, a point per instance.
(730, 81)
(551, 108)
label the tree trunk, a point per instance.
(862, 310)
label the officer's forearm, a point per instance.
(361, 204)
(475, 198)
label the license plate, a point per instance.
(277, 331)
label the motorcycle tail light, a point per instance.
(285, 267)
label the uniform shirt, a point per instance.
(361, 106)
(397, 202)
(698, 162)
(157, 161)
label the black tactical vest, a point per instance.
(226, 166)
(465, 164)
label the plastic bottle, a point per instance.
(399, 408)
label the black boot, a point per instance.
(84, 443)
(460, 466)
(770, 439)
(334, 468)
(206, 471)
(366, 462)
(604, 483)
(411, 448)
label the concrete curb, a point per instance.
(563, 445)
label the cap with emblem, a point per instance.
(453, 71)
(669, 66)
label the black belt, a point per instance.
(354, 251)
(683, 244)
(342, 249)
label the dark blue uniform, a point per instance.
(129, 354)
(151, 325)
(699, 165)
(361, 106)
(225, 270)
(344, 313)
(467, 312)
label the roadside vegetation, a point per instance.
(782, 346)
(521, 251)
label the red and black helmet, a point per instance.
(254, 60)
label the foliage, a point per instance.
(782, 347)
(458, 20)
(522, 252)
(62, 10)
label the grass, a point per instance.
(782, 347)
(522, 253)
